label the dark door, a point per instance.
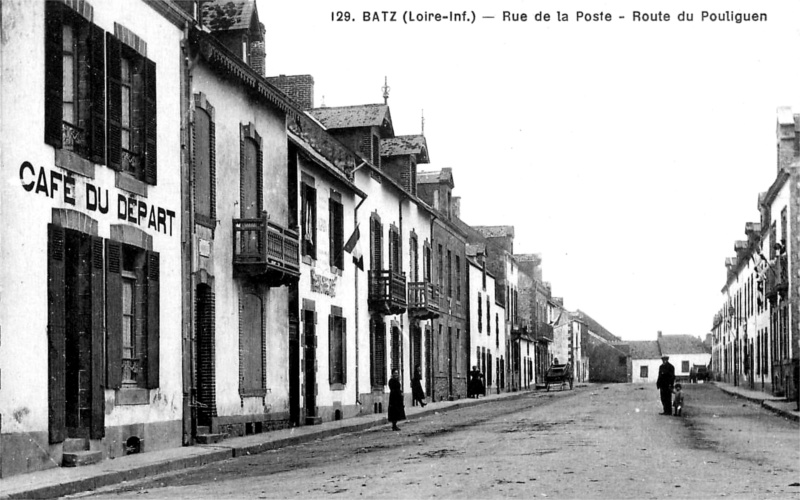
(78, 341)
(206, 392)
(450, 361)
(309, 366)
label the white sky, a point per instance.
(630, 155)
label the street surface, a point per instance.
(600, 441)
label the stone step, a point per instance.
(79, 458)
(209, 438)
(75, 444)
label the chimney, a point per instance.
(787, 137)
(258, 57)
(299, 88)
(456, 207)
(659, 334)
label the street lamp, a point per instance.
(731, 316)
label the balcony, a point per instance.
(387, 292)
(777, 279)
(265, 251)
(423, 300)
(544, 332)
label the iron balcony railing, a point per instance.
(544, 331)
(777, 277)
(387, 291)
(264, 248)
(423, 299)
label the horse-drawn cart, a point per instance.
(559, 374)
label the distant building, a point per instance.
(684, 351)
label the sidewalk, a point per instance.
(781, 406)
(62, 481)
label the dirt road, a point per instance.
(593, 442)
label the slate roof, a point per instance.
(362, 115)
(436, 176)
(495, 231)
(406, 145)
(681, 344)
(644, 349)
(223, 15)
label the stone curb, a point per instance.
(763, 402)
(219, 452)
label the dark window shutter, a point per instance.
(56, 316)
(113, 314)
(114, 102)
(303, 220)
(332, 251)
(343, 340)
(331, 350)
(260, 173)
(150, 124)
(312, 199)
(153, 319)
(98, 340)
(97, 78)
(53, 73)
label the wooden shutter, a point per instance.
(113, 314)
(114, 102)
(332, 250)
(153, 319)
(312, 205)
(332, 379)
(97, 430)
(343, 340)
(212, 162)
(260, 173)
(53, 73)
(97, 79)
(56, 319)
(150, 124)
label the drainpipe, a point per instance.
(432, 334)
(355, 280)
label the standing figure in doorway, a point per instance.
(666, 378)
(397, 409)
(475, 386)
(417, 394)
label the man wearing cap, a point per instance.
(666, 378)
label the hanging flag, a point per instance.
(353, 246)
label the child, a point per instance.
(677, 400)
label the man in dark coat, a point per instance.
(666, 378)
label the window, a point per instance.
(436, 199)
(132, 311)
(74, 82)
(308, 200)
(643, 372)
(458, 278)
(480, 314)
(395, 348)
(376, 243)
(622, 360)
(336, 230)
(497, 330)
(449, 273)
(488, 316)
(395, 261)
(337, 335)
(440, 269)
(413, 267)
(483, 274)
(132, 128)
(426, 262)
(251, 345)
(684, 367)
(204, 142)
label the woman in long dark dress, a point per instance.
(397, 409)
(418, 395)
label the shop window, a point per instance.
(74, 82)
(132, 124)
(337, 335)
(204, 160)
